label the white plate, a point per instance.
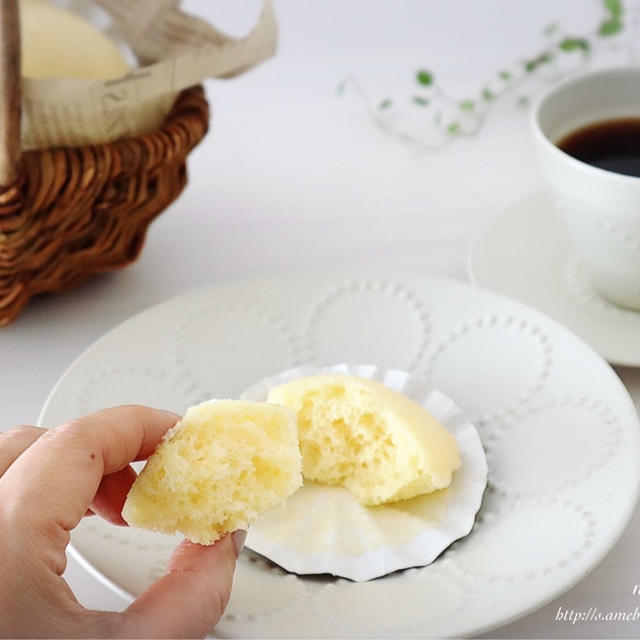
(525, 253)
(560, 430)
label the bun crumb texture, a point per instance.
(223, 465)
(375, 442)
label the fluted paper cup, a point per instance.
(323, 529)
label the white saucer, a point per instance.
(525, 254)
(560, 431)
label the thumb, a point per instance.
(190, 598)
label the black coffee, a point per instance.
(613, 145)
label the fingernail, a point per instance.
(238, 538)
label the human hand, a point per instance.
(49, 479)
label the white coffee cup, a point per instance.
(600, 209)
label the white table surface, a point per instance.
(293, 176)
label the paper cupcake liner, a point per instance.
(323, 529)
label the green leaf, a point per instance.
(614, 7)
(551, 29)
(385, 104)
(467, 105)
(573, 44)
(610, 27)
(341, 87)
(453, 128)
(523, 101)
(420, 101)
(488, 95)
(424, 77)
(543, 58)
(505, 75)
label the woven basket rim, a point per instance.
(76, 211)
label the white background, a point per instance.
(293, 176)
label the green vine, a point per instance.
(463, 117)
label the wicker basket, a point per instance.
(69, 212)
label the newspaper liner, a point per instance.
(325, 530)
(177, 50)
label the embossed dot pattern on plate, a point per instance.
(513, 456)
(395, 334)
(513, 531)
(239, 344)
(491, 364)
(579, 285)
